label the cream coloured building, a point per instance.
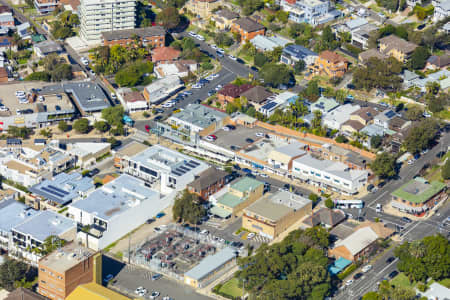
(202, 8)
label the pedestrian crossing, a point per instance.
(140, 136)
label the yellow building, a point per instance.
(396, 47)
(202, 8)
(275, 213)
(237, 197)
(224, 18)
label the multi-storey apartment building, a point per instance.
(63, 270)
(313, 12)
(97, 16)
(45, 6)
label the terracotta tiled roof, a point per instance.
(164, 54)
(332, 56)
(234, 91)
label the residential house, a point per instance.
(278, 102)
(327, 174)
(396, 47)
(202, 9)
(162, 89)
(61, 190)
(199, 118)
(224, 18)
(6, 44)
(411, 79)
(364, 57)
(325, 217)
(24, 294)
(313, 12)
(257, 95)
(293, 53)
(60, 272)
(435, 291)
(274, 213)
(356, 247)
(337, 117)
(161, 54)
(180, 68)
(435, 62)
(382, 119)
(324, 105)
(247, 28)
(7, 20)
(29, 236)
(12, 213)
(268, 43)
(24, 30)
(361, 35)
(45, 6)
(171, 169)
(418, 195)
(231, 200)
(398, 124)
(87, 153)
(364, 115)
(132, 101)
(209, 268)
(154, 36)
(231, 92)
(115, 209)
(441, 10)
(47, 47)
(330, 64)
(351, 126)
(208, 182)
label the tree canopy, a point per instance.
(81, 125)
(12, 271)
(295, 268)
(419, 58)
(169, 18)
(250, 6)
(378, 74)
(384, 165)
(421, 136)
(426, 258)
(134, 74)
(113, 115)
(446, 170)
(275, 74)
(187, 208)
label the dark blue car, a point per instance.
(160, 215)
(246, 170)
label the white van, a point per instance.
(379, 208)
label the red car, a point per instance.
(147, 127)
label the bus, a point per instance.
(344, 204)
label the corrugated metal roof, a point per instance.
(211, 263)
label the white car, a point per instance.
(191, 33)
(199, 37)
(225, 128)
(232, 57)
(260, 134)
(204, 232)
(41, 98)
(113, 96)
(250, 236)
(410, 162)
(214, 46)
(222, 240)
(197, 86)
(85, 61)
(349, 282)
(221, 50)
(20, 93)
(3, 108)
(154, 295)
(264, 175)
(367, 268)
(167, 298)
(138, 290)
(167, 105)
(218, 87)
(215, 75)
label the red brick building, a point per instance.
(3, 75)
(247, 28)
(231, 92)
(207, 183)
(153, 36)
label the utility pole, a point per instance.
(129, 248)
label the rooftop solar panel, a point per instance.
(58, 190)
(194, 163)
(184, 168)
(180, 170)
(52, 192)
(390, 114)
(176, 173)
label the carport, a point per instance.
(220, 212)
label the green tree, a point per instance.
(372, 296)
(260, 59)
(169, 18)
(329, 203)
(187, 208)
(414, 113)
(63, 126)
(313, 197)
(378, 73)
(419, 58)
(341, 139)
(376, 141)
(446, 170)
(81, 125)
(222, 39)
(438, 103)
(113, 115)
(299, 67)
(421, 136)
(101, 126)
(275, 74)
(19, 132)
(12, 271)
(384, 165)
(312, 91)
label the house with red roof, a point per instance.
(163, 54)
(231, 92)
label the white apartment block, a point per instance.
(329, 174)
(97, 16)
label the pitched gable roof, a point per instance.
(248, 25)
(332, 57)
(394, 42)
(234, 91)
(258, 94)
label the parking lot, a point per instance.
(50, 102)
(238, 138)
(131, 277)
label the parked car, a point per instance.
(93, 172)
(249, 140)
(108, 278)
(232, 57)
(219, 54)
(366, 269)
(390, 259)
(407, 220)
(154, 295)
(160, 215)
(357, 276)
(246, 170)
(349, 282)
(211, 138)
(156, 276)
(393, 274)
(250, 236)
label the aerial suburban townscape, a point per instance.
(224, 149)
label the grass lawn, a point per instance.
(445, 282)
(231, 287)
(401, 280)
